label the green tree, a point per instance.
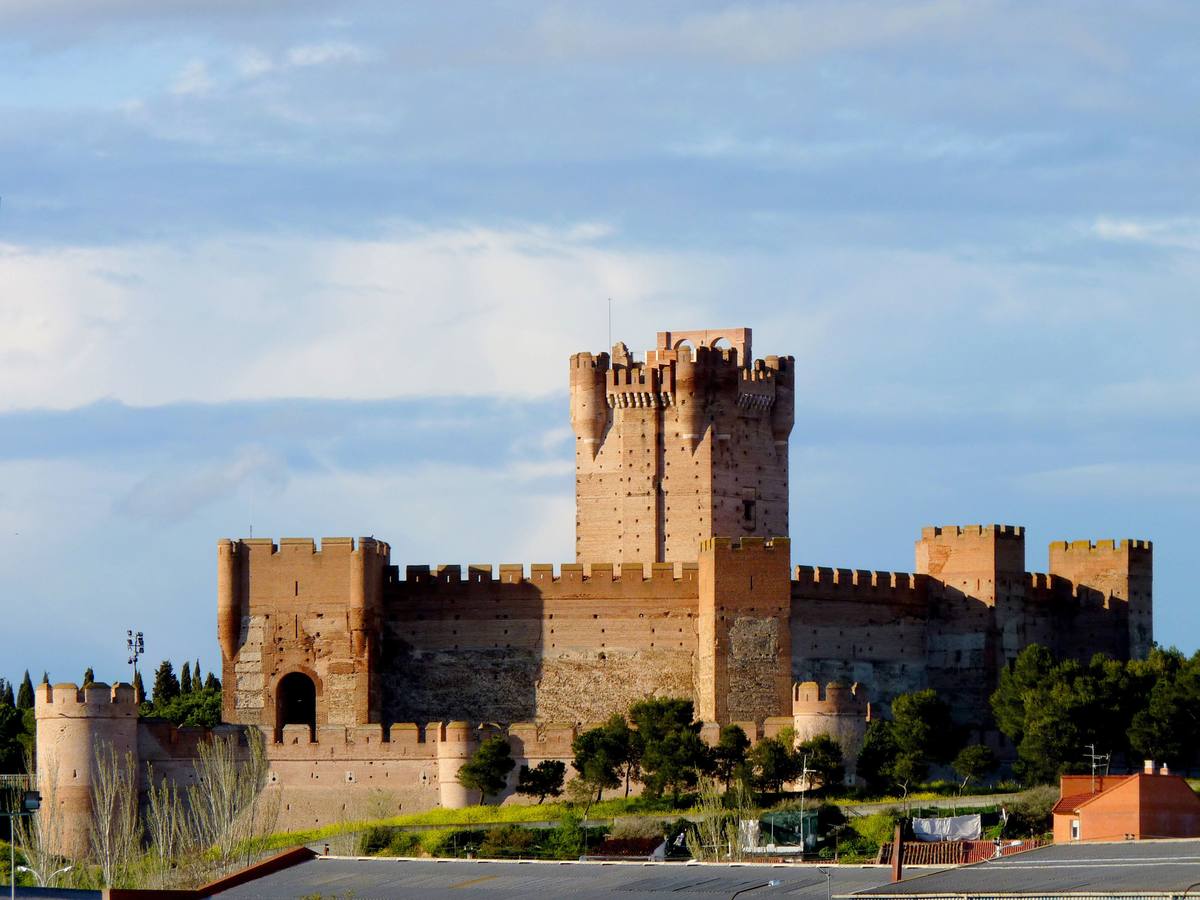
(25, 694)
(12, 747)
(877, 755)
(139, 689)
(596, 760)
(729, 756)
(543, 780)
(7, 698)
(185, 678)
(1167, 727)
(89, 677)
(922, 727)
(673, 754)
(772, 763)
(973, 763)
(626, 748)
(201, 709)
(212, 683)
(487, 769)
(823, 757)
(166, 685)
(1020, 682)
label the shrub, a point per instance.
(876, 829)
(404, 843)
(1029, 813)
(507, 842)
(636, 827)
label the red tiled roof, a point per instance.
(1070, 804)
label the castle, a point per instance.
(371, 681)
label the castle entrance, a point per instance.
(295, 703)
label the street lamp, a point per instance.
(31, 801)
(53, 875)
(828, 887)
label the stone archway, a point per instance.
(295, 703)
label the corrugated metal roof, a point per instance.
(1128, 868)
(368, 878)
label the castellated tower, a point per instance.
(688, 445)
(1116, 574)
(74, 724)
(299, 629)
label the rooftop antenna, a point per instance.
(1096, 759)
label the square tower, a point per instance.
(688, 444)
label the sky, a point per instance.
(315, 269)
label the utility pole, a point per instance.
(805, 771)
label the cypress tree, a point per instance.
(185, 678)
(45, 677)
(197, 682)
(25, 694)
(166, 685)
(89, 677)
(6, 694)
(139, 689)
(212, 683)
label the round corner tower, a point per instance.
(836, 710)
(456, 741)
(73, 724)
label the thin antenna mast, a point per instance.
(1095, 759)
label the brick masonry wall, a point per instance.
(571, 648)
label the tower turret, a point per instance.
(589, 409)
(73, 725)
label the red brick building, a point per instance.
(1151, 804)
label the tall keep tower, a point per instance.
(689, 444)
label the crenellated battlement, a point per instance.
(819, 582)
(329, 546)
(747, 544)
(587, 360)
(832, 698)
(98, 699)
(951, 532)
(542, 575)
(1097, 547)
(410, 740)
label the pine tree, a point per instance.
(185, 678)
(166, 685)
(89, 677)
(139, 689)
(212, 683)
(6, 693)
(25, 694)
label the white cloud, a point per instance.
(1180, 233)
(326, 54)
(253, 62)
(192, 80)
(471, 311)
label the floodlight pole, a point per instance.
(136, 646)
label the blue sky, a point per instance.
(319, 269)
